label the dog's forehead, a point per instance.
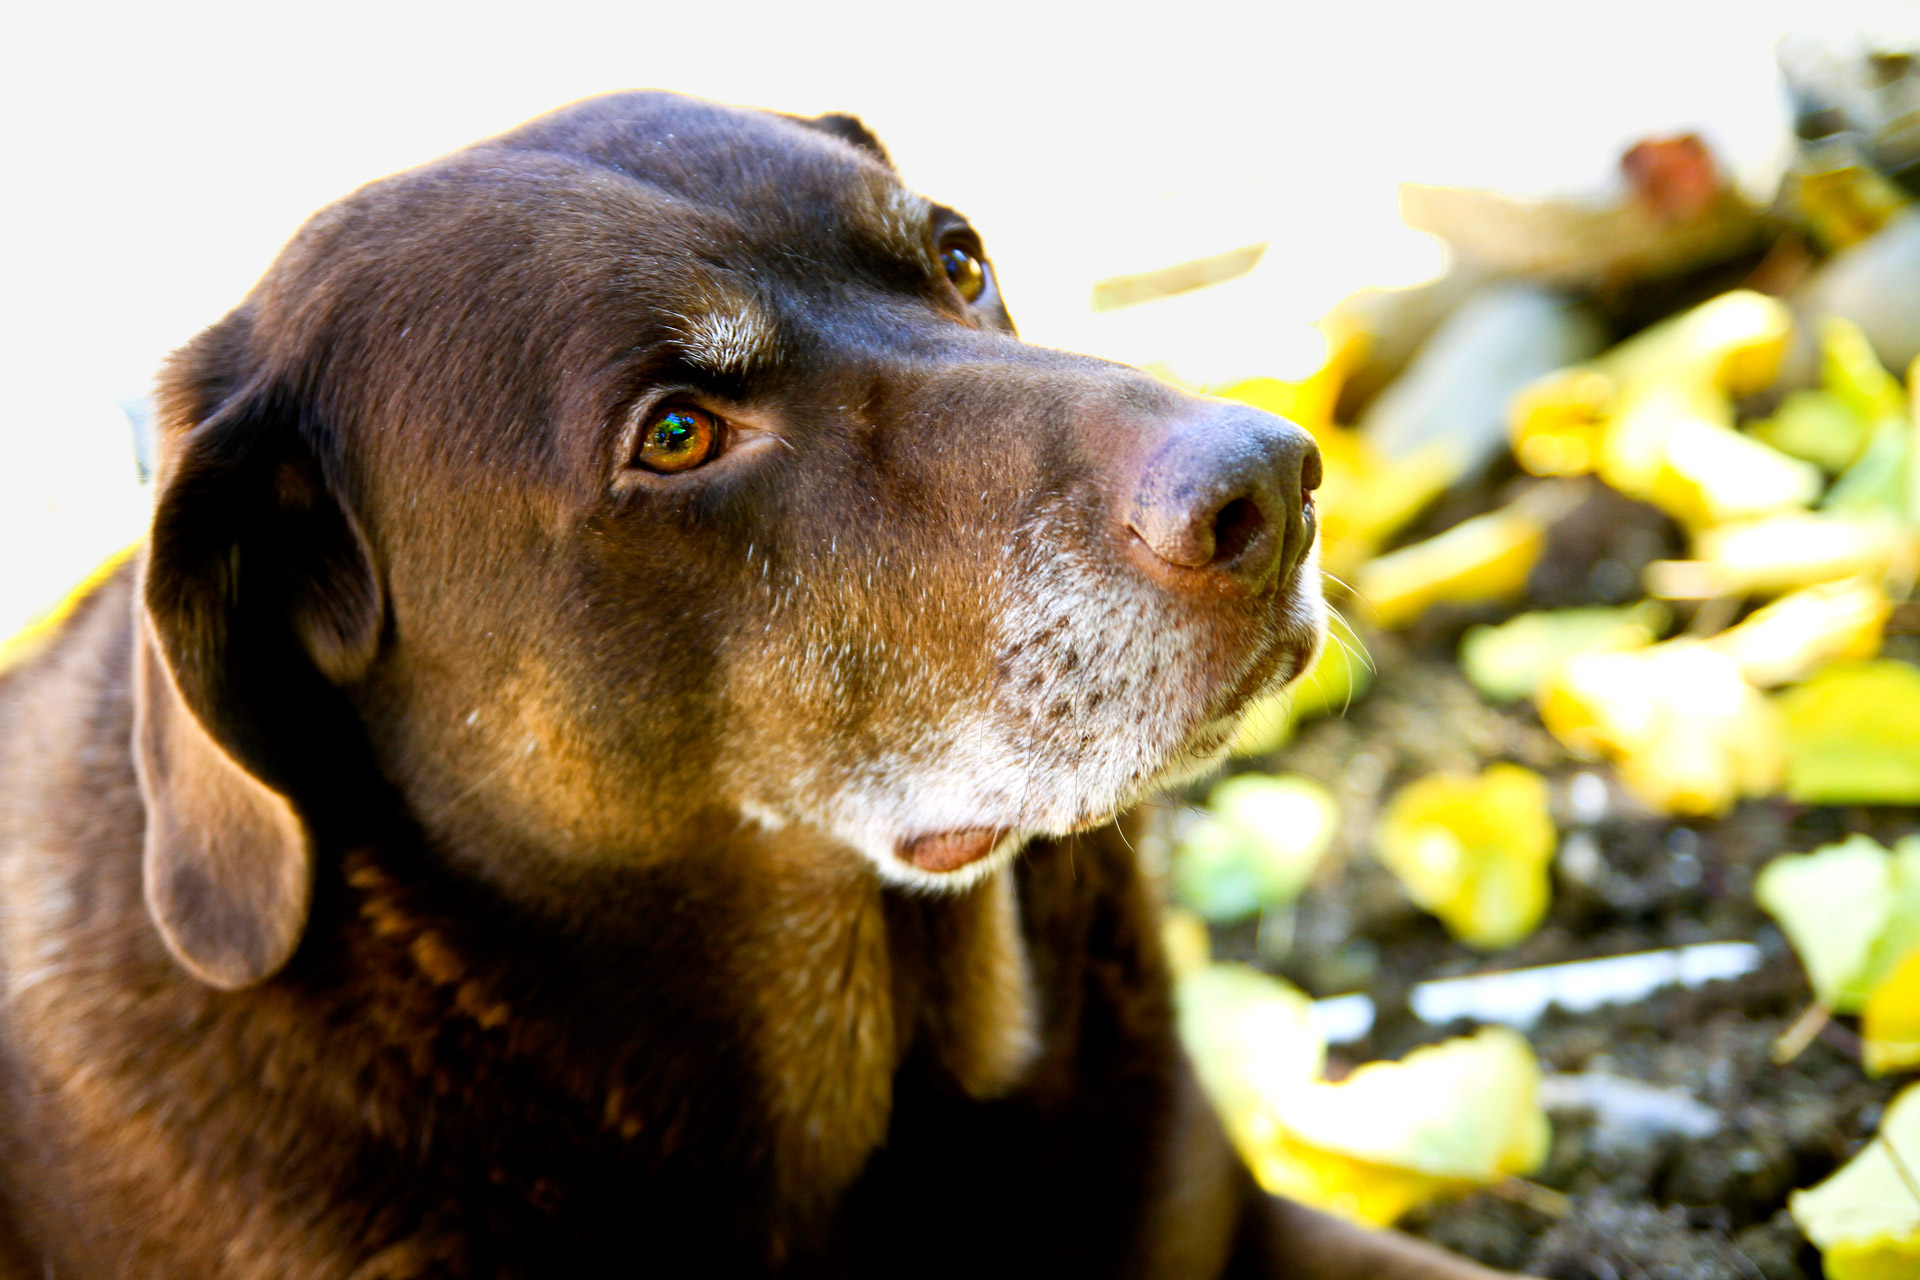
(785, 177)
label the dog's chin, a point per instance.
(953, 861)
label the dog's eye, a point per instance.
(678, 438)
(964, 268)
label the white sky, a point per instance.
(157, 155)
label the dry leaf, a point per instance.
(1781, 552)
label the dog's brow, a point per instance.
(733, 337)
(903, 220)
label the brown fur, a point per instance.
(439, 854)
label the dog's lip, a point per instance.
(943, 851)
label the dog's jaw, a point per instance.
(1154, 706)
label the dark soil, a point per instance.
(1632, 1204)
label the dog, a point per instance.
(607, 761)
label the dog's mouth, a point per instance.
(944, 851)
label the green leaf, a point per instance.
(1252, 1038)
(1256, 848)
(1819, 427)
(1865, 1219)
(1509, 662)
(1851, 910)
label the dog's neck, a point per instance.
(806, 983)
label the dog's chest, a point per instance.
(740, 1087)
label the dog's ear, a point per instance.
(258, 596)
(848, 128)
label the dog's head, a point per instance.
(660, 468)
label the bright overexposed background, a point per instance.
(156, 156)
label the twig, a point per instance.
(1795, 1039)
(1544, 1200)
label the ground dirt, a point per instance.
(1614, 1201)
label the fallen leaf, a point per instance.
(1555, 423)
(1846, 203)
(1853, 735)
(1890, 1023)
(1816, 426)
(1781, 552)
(1799, 633)
(1252, 1039)
(1689, 734)
(1674, 446)
(1473, 850)
(1393, 1135)
(1865, 1219)
(1851, 910)
(1508, 662)
(1255, 848)
(1184, 939)
(1484, 558)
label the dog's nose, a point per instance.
(1226, 493)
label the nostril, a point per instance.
(1310, 471)
(1235, 526)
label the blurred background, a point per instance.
(158, 155)
(1581, 877)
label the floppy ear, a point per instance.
(848, 128)
(258, 595)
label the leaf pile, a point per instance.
(1676, 562)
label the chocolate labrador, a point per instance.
(606, 762)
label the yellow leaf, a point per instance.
(1555, 424)
(1853, 735)
(1689, 734)
(1485, 558)
(1818, 427)
(1184, 939)
(1393, 1135)
(1474, 851)
(1846, 203)
(1781, 552)
(1675, 446)
(1851, 370)
(1890, 1024)
(1801, 632)
(1865, 1219)
(1574, 420)
(1734, 342)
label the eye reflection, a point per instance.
(968, 273)
(678, 438)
